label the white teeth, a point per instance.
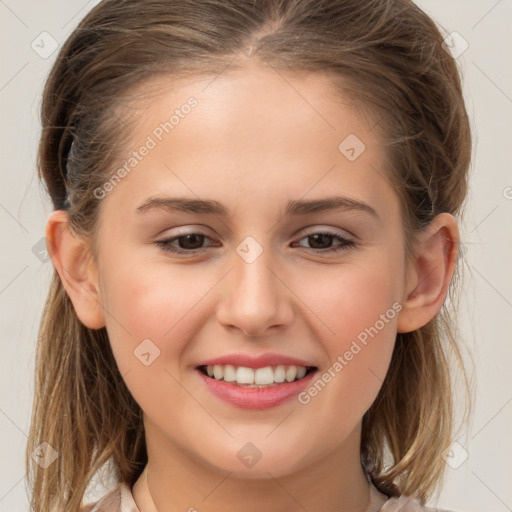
(266, 376)
(279, 373)
(229, 373)
(291, 373)
(217, 372)
(244, 375)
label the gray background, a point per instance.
(479, 483)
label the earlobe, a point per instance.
(430, 273)
(72, 260)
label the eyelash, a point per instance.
(345, 245)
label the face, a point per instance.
(218, 247)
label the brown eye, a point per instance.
(186, 243)
(322, 242)
(193, 241)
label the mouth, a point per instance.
(264, 377)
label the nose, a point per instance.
(255, 298)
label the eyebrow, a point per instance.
(296, 207)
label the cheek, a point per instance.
(157, 304)
(152, 314)
(359, 308)
(349, 298)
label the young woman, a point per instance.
(254, 235)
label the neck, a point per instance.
(176, 481)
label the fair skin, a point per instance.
(253, 143)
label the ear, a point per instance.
(72, 259)
(429, 273)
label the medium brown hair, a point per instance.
(385, 54)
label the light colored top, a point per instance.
(120, 499)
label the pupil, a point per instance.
(319, 236)
(193, 237)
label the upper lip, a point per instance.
(259, 361)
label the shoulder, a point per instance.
(118, 499)
(405, 504)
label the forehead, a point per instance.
(252, 134)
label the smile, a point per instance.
(256, 377)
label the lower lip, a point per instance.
(255, 398)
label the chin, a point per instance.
(248, 462)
